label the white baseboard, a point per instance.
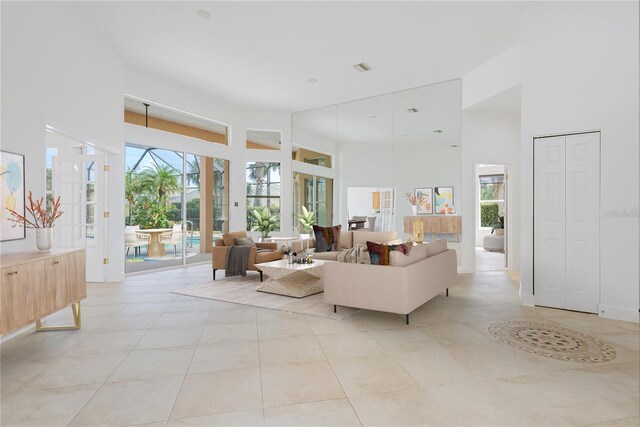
(465, 270)
(618, 313)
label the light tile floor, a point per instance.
(147, 356)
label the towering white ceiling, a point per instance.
(262, 54)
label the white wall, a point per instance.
(57, 71)
(500, 73)
(490, 137)
(580, 72)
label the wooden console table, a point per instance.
(37, 284)
(436, 224)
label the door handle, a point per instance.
(56, 262)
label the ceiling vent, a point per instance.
(362, 67)
(412, 110)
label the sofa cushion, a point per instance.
(378, 253)
(229, 239)
(327, 238)
(418, 252)
(434, 248)
(245, 241)
(346, 239)
(326, 256)
(373, 236)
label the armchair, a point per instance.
(219, 252)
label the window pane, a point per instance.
(492, 191)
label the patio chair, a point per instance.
(134, 239)
(173, 237)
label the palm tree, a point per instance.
(160, 182)
(258, 175)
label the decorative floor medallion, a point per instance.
(552, 341)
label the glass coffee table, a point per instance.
(292, 280)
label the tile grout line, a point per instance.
(334, 373)
(121, 362)
(173, 407)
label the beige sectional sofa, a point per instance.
(347, 240)
(406, 284)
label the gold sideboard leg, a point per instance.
(75, 310)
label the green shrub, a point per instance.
(489, 214)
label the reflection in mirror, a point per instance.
(399, 141)
(264, 139)
(304, 155)
(143, 113)
(374, 205)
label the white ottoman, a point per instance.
(493, 243)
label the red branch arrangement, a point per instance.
(38, 211)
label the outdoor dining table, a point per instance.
(156, 249)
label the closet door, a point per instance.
(549, 221)
(582, 222)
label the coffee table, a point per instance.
(292, 280)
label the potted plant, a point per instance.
(498, 227)
(39, 218)
(265, 222)
(307, 220)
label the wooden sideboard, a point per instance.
(436, 224)
(37, 284)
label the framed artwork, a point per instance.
(444, 200)
(427, 207)
(11, 194)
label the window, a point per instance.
(51, 152)
(312, 157)
(144, 113)
(263, 190)
(491, 199)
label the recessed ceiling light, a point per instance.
(312, 80)
(362, 67)
(437, 131)
(412, 110)
(454, 146)
(203, 14)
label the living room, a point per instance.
(571, 68)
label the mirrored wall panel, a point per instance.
(403, 141)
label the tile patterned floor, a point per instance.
(145, 356)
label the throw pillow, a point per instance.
(327, 238)
(378, 253)
(245, 241)
(404, 248)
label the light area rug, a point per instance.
(242, 290)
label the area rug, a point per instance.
(242, 290)
(552, 341)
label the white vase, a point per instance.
(44, 239)
(414, 209)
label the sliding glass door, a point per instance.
(176, 205)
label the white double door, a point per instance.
(80, 182)
(566, 264)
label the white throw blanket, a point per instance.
(356, 255)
